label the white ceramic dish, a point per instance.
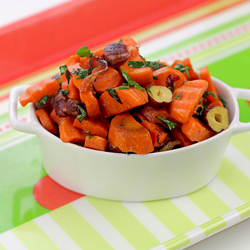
(133, 177)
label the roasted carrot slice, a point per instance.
(195, 130)
(157, 133)
(215, 103)
(129, 135)
(37, 91)
(205, 75)
(56, 119)
(129, 41)
(142, 76)
(96, 142)
(46, 121)
(72, 60)
(129, 97)
(179, 135)
(73, 91)
(92, 127)
(69, 133)
(72, 68)
(110, 79)
(186, 98)
(192, 74)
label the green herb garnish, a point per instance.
(138, 64)
(83, 114)
(178, 96)
(52, 100)
(182, 68)
(222, 101)
(43, 101)
(82, 73)
(121, 41)
(171, 125)
(90, 136)
(209, 93)
(130, 82)
(64, 92)
(113, 94)
(123, 87)
(155, 77)
(149, 91)
(64, 70)
(83, 52)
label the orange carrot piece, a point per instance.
(195, 130)
(72, 60)
(96, 142)
(142, 76)
(178, 135)
(186, 98)
(151, 112)
(129, 41)
(157, 133)
(110, 79)
(215, 103)
(46, 121)
(73, 90)
(99, 53)
(130, 98)
(37, 91)
(65, 85)
(73, 67)
(192, 74)
(129, 135)
(205, 75)
(92, 127)
(85, 62)
(168, 77)
(56, 119)
(177, 61)
(69, 133)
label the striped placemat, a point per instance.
(217, 35)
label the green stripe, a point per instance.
(177, 242)
(8, 135)
(244, 210)
(171, 216)
(208, 202)
(125, 223)
(189, 42)
(78, 228)
(13, 139)
(33, 237)
(235, 180)
(242, 142)
(213, 225)
(2, 247)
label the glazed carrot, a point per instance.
(178, 135)
(142, 76)
(85, 62)
(99, 53)
(186, 98)
(73, 68)
(129, 41)
(69, 133)
(88, 98)
(192, 74)
(129, 98)
(195, 130)
(110, 79)
(56, 119)
(92, 127)
(157, 133)
(72, 60)
(205, 75)
(177, 61)
(96, 142)
(129, 135)
(73, 90)
(37, 91)
(168, 77)
(65, 85)
(215, 103)
(151, 112)
(46, 121)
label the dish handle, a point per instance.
(241, 127)
(15, 123)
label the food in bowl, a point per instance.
(115, 100)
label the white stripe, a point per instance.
(100, 224)
(4, 107)
(232, 217)
(195, 29)
(194, 213)
(55, 233)
(238, 159)
(152, 223)
(159, 247)
(25, 138)
(11, 242)
(225, 193)
(195, 235)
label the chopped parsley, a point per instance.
(138, 64)
(43, 101)
(82, 115)
(130, 82)
(83, 52)
(113, 94)
(182, 68)
(171, 125)
(178, 96)
(209, 93)
(64, 92)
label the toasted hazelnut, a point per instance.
(116, 54)
(72, 108)
(159, 95)
(217, 118)
(170, 145)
